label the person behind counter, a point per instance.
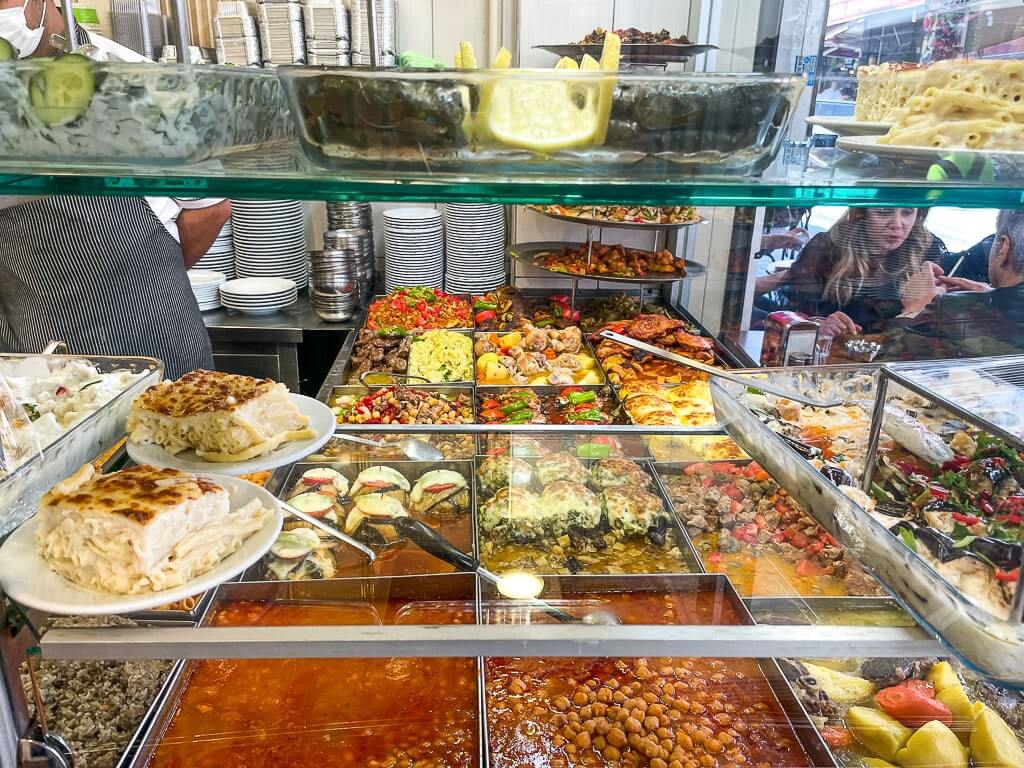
(106, 275)
(969, 318)
(854, 275)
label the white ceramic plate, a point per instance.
(920, 155)
(848, 126)
(27, 579)
(321, 421)
(257, 286)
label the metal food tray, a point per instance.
(993, 646)
(689, 554)
(527, 253)
(284, 478)
(585, 346)
(442, 587)
(797, 716)
(348, 376)
(611, 224)
(146, 114)
(807, 610)
(440, 389)
(633, 52)
(21, 490)
(377, 297)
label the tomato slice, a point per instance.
(913, 703)
(836, 737)
(439, 487)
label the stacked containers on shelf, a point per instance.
(237, 38)
(413, 248)
(474, 243)
(270, 239)
(328, 38)
(350, 225)
(282, 37)
(334, 283)
(387, 35)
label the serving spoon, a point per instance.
(745, 381)
(413, 447)
(330, 530)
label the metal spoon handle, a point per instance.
(718, 372)
(330, 530)
(362, 440)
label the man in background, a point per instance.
(107, 275)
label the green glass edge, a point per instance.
(739, 193)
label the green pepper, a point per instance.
(518, 405)
(878, 493)
(480, 304)
(587, 396)
(594, 414)
(519, 416)
(593, 451)
(544, 322)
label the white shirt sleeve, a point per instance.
(168, 208)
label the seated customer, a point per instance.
(854, 274)
(973, 319)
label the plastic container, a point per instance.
(649, 126)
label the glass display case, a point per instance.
(620, 562)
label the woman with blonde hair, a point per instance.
(855, 275)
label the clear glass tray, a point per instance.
(143, 113)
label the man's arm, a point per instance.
(199, 227)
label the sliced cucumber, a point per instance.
(7, 52)
(62, 90)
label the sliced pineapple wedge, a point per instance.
(589, 63)
(566, 63)
(611, 54)
(502, 59)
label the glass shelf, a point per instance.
(835, 178)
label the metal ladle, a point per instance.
(745, 381)
(413, 447)
(432, 542)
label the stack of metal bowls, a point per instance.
(349, 215)
(360, 241)
(334, 289)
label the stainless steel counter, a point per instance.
(293, 346)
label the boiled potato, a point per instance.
(933, 745)
(954, 697)
(880, 734)
(876, 762)
(495, 372)
(942, 675)
(486, 359)
(841, 687)
(539, 379)
(993, 743)
(586, 362)
(510, 340)
(589, 377)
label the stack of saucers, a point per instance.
(413, 248)
(474, 243)
(327, 35)
(282, 38)
(270, 239)
(258, 295)
(386, 33)
(205, 284)
(221, 256)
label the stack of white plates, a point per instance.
(282, 37)
(237, 39)
(258, 295)
(413, 248)
(205, 284)
(327, 34)
(221, 256)
(386, 34)
(270, 239)
(474, 241)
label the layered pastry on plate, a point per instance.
(223, 417)
(141, 529)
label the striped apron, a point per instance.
(102, 274)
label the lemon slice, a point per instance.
(566, 63)
(503, 59)
(542, 115)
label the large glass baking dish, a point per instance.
(140, 113)
(21, 489)
(470, 122)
